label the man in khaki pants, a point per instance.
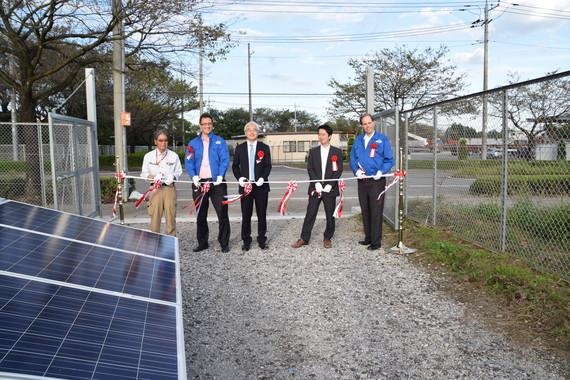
(162, 167)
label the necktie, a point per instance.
(251, 163)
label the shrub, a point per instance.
(109, 186)
(550, 184)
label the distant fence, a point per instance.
(51, 164)
(510, 196)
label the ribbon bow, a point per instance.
(120, 176)
(291, 188)
(236, 197)
(338, 209)
(154, 186)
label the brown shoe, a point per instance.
(299, 243)
(327, 243)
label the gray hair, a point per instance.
(257, 126)
(159, 132)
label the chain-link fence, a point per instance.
(52, 164)
(494, 168)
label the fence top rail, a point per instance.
(492, 91)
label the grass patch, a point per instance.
(541, 300)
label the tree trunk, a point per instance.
(31, 143)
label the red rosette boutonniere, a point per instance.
(373, 147)
(334, 160)
(189, 152)
(260, 156)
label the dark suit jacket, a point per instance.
(240, 165)
(315, 169)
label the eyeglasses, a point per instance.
(162, 140)
(206, 123)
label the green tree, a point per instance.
(51, 42)
(403, 79)
(457, 131)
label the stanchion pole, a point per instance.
(400, 247)
(120, 179)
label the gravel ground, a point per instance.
(341, 313)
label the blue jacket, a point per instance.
(360, 156)
(217, 152)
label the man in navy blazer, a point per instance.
(324, 163)
(252, 163)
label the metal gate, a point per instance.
(74, 165)
(388, 123)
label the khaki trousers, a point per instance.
(163, 201)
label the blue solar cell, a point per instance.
(102, 302)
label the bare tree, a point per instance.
(403, 79)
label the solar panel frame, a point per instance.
(121, 339)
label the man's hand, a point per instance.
(259, 182)
(219, 180)
(360, 173)
(378, 175)
(242, 181)
(158, 178)
(327, 188)
(196, 181)
(318, 187)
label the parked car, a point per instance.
(493, 153)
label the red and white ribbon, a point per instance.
(120, 176)
(291, 188)
(398, 176)
(338, 209)
(203, 189)
(236, 197)
(154, 186)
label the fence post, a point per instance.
(434, 199)
(406, 152)
(400, 247)
(504, 175)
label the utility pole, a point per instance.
(485, 74)
(249, 80)
(201, 70)
(295, 119)
(119, 90)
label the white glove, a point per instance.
(242, 181)
(157, 178)
(318, 187)
(378, 175)
(327, 188)
(168, 179)
(196, 181)
(259, 182)
(218, 180)
(360, 173)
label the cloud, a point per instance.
(288, 79)
(474, 57)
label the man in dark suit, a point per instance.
(324, 163)
(252, 163)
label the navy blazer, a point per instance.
(315, 169)
(240, 165)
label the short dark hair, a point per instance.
(363, 116)
(205, 115)
(327, 128)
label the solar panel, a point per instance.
(77, 309)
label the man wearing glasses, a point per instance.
(207, 159)
(162, 167)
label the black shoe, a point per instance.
(373, 247)
(364, 242)
(200, 247)
(245, 247)
(225, 248)
(263, 245)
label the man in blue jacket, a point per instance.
(207, 159)
(370, 157)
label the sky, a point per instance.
(297, 46)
